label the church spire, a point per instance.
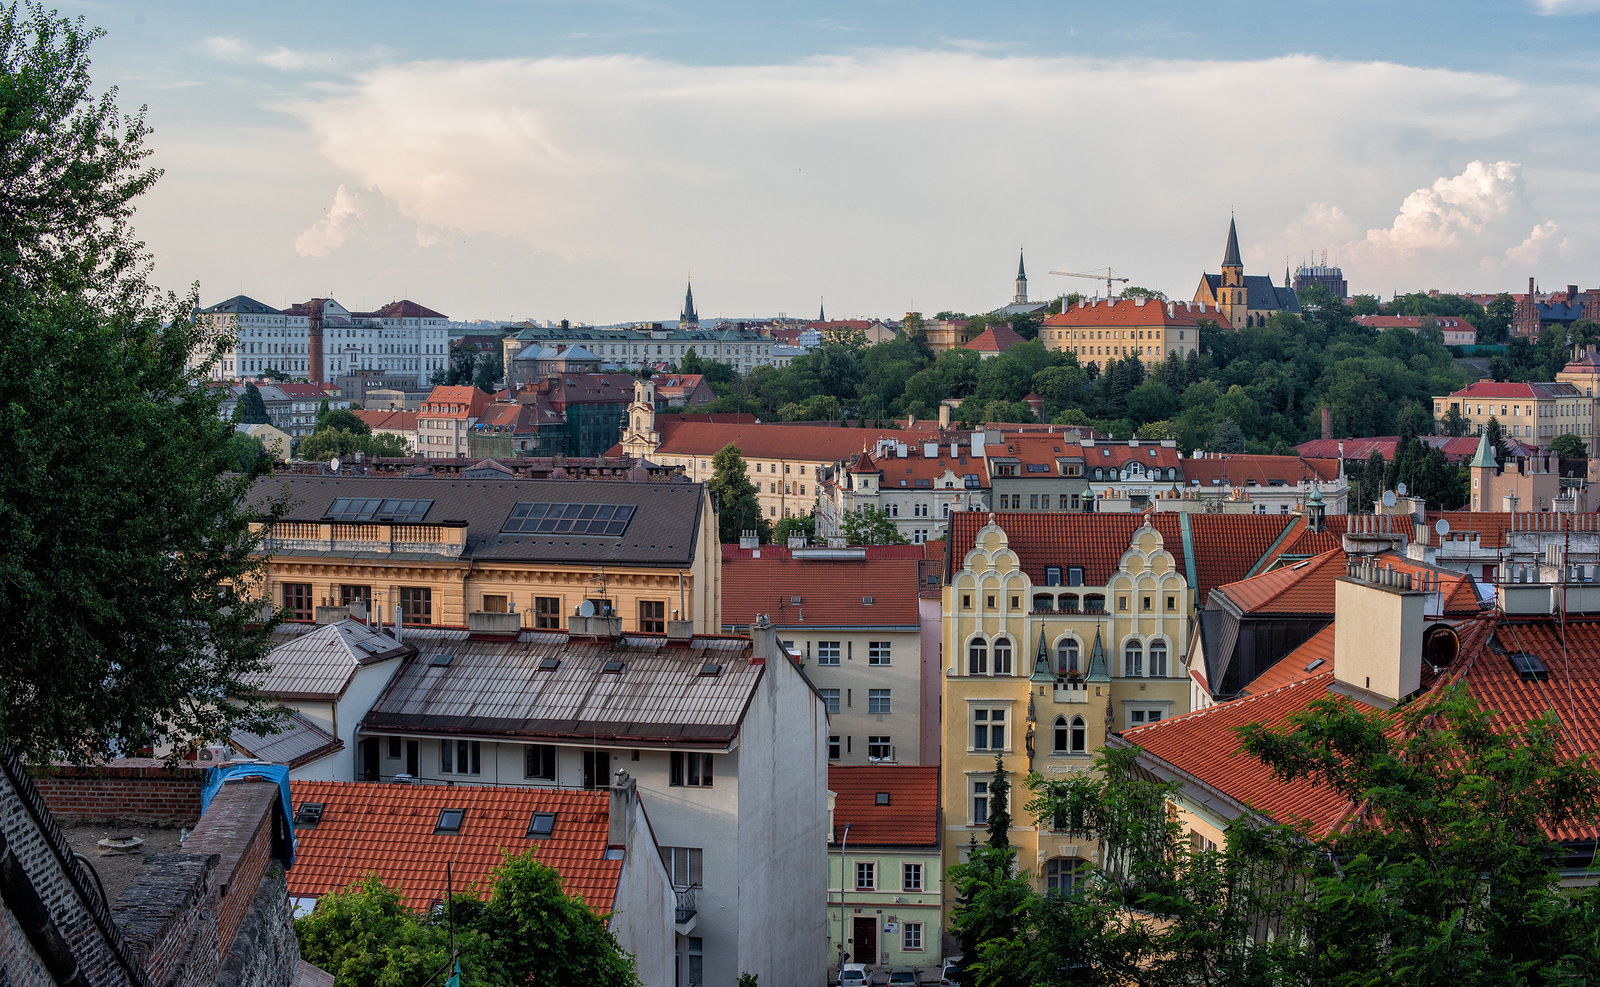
(1021, 297)
(822, 310)
(689, 316)
(1230, 257)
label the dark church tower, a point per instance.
(689, 316)
(1021, 297)
(1232, 297)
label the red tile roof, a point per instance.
(830, 592)
(444, 398)
(926, 550)
(1226, 546)
(402, 421)
(1412, 321)
(1491, 527)
(1503, 389)
(388, 830)
(994, 339)
(911, 819)
(812, 443)
(1307, 587)
(1204, 745)
(407, 309)
(1126, 312)
(1456, 448)
(1239, 470)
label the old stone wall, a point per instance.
(265, 950)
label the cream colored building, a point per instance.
(1533, 414)
(1050, 643)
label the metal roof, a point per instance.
(664, 529)
(299, 742)
(319, 663)
(661, 695)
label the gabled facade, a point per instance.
(445, 420)
(884, 871)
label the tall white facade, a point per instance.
(321, 340)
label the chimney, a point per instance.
(764, 637)
(1327, 422)
(1572, 293)
(621, 810)
(397, 623)
(1377, 643)
(944, 415)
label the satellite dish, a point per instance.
(1443, 527)
(1388, 498)
(333, 464)
(586, 609)
(1400, 488)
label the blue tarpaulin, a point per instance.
(276, 773)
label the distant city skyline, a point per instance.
(568, 160)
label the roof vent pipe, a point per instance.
(397, 622)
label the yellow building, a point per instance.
(1532, 414)
(1246, 300)
(1058, 629)
(496, 555)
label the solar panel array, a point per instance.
(352, 510)
(609, 520)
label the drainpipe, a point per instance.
(843, 866)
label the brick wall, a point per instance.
(137, 791)
(238, 828)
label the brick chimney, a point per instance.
(1327, 422)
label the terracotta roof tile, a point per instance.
(911, 817)
(814, 443)
(1304, 587)
(1125, 312)
(994, 339)
(1239, 470)
(388, 830)
(830, 592)
(401, 421)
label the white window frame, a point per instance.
(879, 702)
(829, 652)
(879, 652)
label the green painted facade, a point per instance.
(892, 906)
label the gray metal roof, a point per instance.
(663, 531)
(241, 305)
(497, 689)
(1261, 294)
(300, 742)
(319, 662)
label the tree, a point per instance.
(364, 935)
(249, 450)
(802, 525)
(542, 935)
(1496, 324)
(120, 496)
(989, 892)
(1569, 447)
(251, 409)
(487, 373)
(1227, 437)
(738, 509)
(690, 362)
(1497, 440)
(871, 526)
(1454, 423)
(348, 421)
(1134, 291)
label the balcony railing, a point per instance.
(685, 909)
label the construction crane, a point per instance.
(1107, 277)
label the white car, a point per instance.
(854, 975)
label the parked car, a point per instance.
(854, 975)
(947, 976)
(901, 977)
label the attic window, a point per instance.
(866, 601)
(449, 821)
(1038, 468)
(441, 659)
(711, 668)
(549, 664)
(1316, 663)
(612, 668)
(358, 509)
(882, 798)
(794, 600)
(309, 815)
(1530, 667)
(541, 825)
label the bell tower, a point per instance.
(1232, 296)
(1021, 297)
(640, 439)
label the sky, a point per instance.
(545, 159)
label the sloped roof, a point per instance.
(1226, 546)
(407, 309)
(399, 421)
(1237, 470)
(1300, 542)
(1261, 294)
(830, 593)
(994, 339)
(1412, 321)
(299, 742)
(1455, 448)
(1508, 389)
(1124, 312)
(319, 664)
(240, 305)
(498, 689)
(1300, 665)
(818, 443)
(662, 531)
(911, 817)
(388, 830)
(1305, 587)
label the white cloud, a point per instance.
(1558, 7)
(892, 177)
(1531, 251)
(283, 59)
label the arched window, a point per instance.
(1062, 874)
(1002, 656)
(978, 657)
(1067, 657)
(1061, 737)
(1133, 660)
(1080, 736)
(1158, 659)
(1097, 473)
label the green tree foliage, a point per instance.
(1134, 291)
(248, 451)
(487, 373)
(251, 409)
(1569, 447)
(990, 894)
(796, 524)
(1454, 423)
(327, 443)
(871, 526)
(119, 481)
(690, 362)
(348, 421)
(1497, 440)
(1446, 876)
(529, 931)
(1496, 326)
(463, 366)
(1368, 483)
(1226, 437)
(738, 508)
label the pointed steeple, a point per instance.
(1230, 257)
(1022, 274)
(1041, 662)
(1099, 670)
(1021, 296)
(1485, 457)
(822, 310)
(689, 316)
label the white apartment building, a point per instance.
(321, 340)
